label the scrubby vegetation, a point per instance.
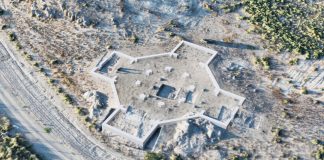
(294, 61)
(47, 130)
(60, 90)
(51, 81)
(175, 157)
(153, 156)
(295, 26)
(134, 39)
(264, 62)
(82, 111)
(68, 98)
(318, 154)
(304, 90)
(277, 135)
(12, 36)
(12, 146)
(231, 7)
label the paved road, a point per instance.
(15, 83)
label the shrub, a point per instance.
(285, 114)
(48, 130)
(18, 45)
(234, 157)
(5, 125)
(277, 22)
(60, 90)
(5, 26)
(12, 36)
(55, 62)
(110, 47)
(315, 141)
(277, 132)
(245, 155)
(231, 7)
(285, 101)
(319, 153)
(87, 119)
(171, 34)
(294, 61)
(68, 98)
(304, 90)
(51, 81)
(308, 56)
(13, 146)
(29, 57)
(173, 23)
(264, 62)
(228, 39)
(82, 111)
(175, 157)
(91, 126)
(277, 139)
(208, 7)
(67, 80)
(36, 64)
(134, 39)
(153, 156)
(225, 22)
(41, 69)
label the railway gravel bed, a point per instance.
(12, 77)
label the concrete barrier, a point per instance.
(211, 59)
(124, 55)
(233, 113)
(105, 78)
(214, 121)
(142, 141)
(105, 60)
(118, 132)
(207, 50)
(115, 92)
(170, 121)
(212, 78)
(150, 134)
(177, 47)
(153, 56)
(110, 118)
(239, 98)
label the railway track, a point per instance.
(12, 77)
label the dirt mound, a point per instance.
(191, 137)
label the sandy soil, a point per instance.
(157, 26)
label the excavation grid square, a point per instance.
(166, 91)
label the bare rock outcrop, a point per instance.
(97, 100)
(192, 136)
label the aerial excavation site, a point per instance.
(162, 79)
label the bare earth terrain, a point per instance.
(72, 98)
